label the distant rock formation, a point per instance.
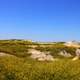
(72, 43)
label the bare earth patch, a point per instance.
(41, 56)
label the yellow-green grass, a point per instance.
(14, 68)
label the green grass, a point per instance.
(13, 68)
(21, 67)
(20, 48)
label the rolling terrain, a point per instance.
(25, 60)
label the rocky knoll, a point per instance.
(40, 56)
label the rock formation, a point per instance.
(65, 54)
(40, 56)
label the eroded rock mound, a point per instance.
(77, 55)
(40, 56)
(65, 54)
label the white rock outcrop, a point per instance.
(77, 55)
(41, 56)
(65, 54)
(78, 52)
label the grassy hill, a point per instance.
(17, 65)
(20, 48)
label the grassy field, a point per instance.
(19, 66)
(13, 68)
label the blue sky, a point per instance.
(40, 20)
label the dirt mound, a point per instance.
(41, 56)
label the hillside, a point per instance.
(20, 48)
(26, 60)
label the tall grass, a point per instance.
(20, 67)
(13, 68)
